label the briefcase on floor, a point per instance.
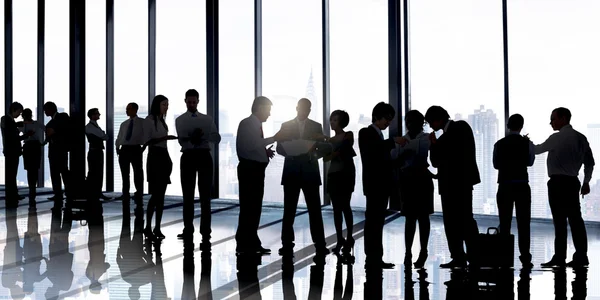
(496, 250)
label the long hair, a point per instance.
(155, 111)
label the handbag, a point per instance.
(495, 250)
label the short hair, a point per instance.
(92, 112)
(515, 122)
(304, 101)
(563, 112)
(192, 93)
(134, 105)
(260, 101)
(51, 106)
(383, 110)
(415, 116)
(342, 116)
(27, 114)
(15, 106)
(436, 113)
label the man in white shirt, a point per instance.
(11, 140)
(254, 158)
(197, 133)
(567, 151)
(96, 137)
(129, 149)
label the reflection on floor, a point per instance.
(45, 256)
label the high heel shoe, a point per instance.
(420, 263)
(158, 234)
(349, 245)
(339, 246)
(148, 233)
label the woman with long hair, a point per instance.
(341, 178)
(158, 165)
(416, 184)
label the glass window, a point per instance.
(292, 64)
(95, 62)
(236, 84)
(131, 69)
(457, 63)
(180, 64)
(2, 181)
(554, 65)
(56, 58)
(25, 62)
(358, 92)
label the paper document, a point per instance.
(297, 147)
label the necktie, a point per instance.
(129, 130)
(381, 135)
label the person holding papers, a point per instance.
(301, 172)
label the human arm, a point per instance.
(495, 157)
(588, 163)
(249, 137)
(214, 136)
(548, 145)
(119, 139)
(531, 154)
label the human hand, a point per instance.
(280, 136)
(585, 189)
(319, 137)
(49, 131)
(196, 137)
(270, 152)
(402, 141)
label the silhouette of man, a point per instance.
(453, 154)
(254, 158)
(512, 155)
(57, 133)
(377, 176)
(567, 151)
(301, 173)
(129, 143)
(197, 133)
(12, 150)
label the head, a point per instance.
(339, 119)
(414, 121)
(261, 108)
(15, 109)
(191, 100)
(437, 117)
(160, 105)
(383, 114)
(93, 114)
(303, 109)
(50, 109)
(27, 114)
(132, 109)
(515, 123)
(560, 118)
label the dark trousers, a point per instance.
(563, 194)
(95, 174)
(59, 172)
(11, 169)
(32, 157)
(374, 221)
(516, 194)
(291, 193)
(132, 156)
(197, 163)
(251, 178)
(459, 224)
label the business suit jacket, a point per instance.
(60, 140)
(12, 139)
(454, 156)
(302, 169)
(376, 160)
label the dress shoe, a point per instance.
(285, 251)
(420, 263)
(322, 251)
(104, 197)
(578, 263)
(455, 263)
(56, 198)
(527, 265)
(185, 234)
(379, 265)
(263, 251)
(554, 263)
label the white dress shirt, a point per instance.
(94, 129)
(567, 151)
(187, 123)
(419, 145)
(137, 137)
(250, 142)
(154, 130)
(301, 125)
(38, 128)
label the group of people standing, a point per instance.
(397, 166)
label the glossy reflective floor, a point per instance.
(45, 256)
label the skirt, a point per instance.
(32, 156)
(158, 165)
(341, 182)
(416, 192)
